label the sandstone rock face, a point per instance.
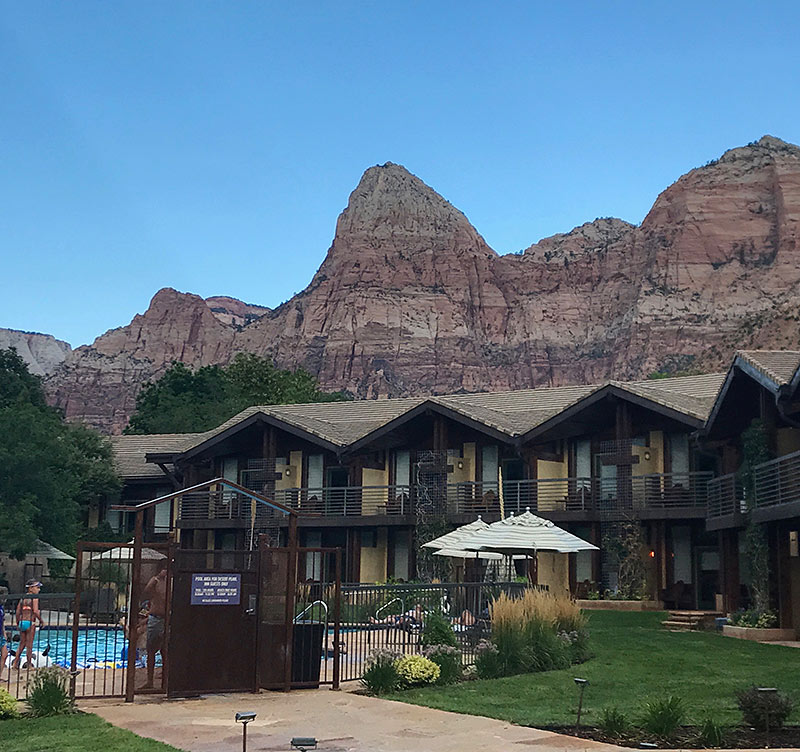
(410, 299)
(42, 352)
(233, 311)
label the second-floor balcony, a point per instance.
(655, 495)
(777, 488)
(658, 495)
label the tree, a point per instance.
(183, 400)
(50, 471)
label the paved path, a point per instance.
(342, 721)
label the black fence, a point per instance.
(393, 617)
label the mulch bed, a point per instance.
(736, 738)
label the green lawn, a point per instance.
(72, 733)
(635, 659)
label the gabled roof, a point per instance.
(508, 415)
(129, 452)
(778, 371)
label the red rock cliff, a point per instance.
(410, 299)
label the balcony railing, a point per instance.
(725, 496)
(672, 491)
(349, 501)
(664, 491)
(777, 481)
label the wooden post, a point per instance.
(133, 607)
(337, 619)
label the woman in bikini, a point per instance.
(27, 616)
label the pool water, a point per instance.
(98, 647)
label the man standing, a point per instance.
(156, 593)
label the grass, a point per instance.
(81, 732)
(636, 659)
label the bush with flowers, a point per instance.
(448, 659)
(8, 705)
(417, 670)
(380, 673)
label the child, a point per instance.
(27, 616)
(3, 648)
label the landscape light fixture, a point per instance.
(304, 742)
(582, 684)
(244, 718)
(766, 693)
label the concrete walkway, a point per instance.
(341, 721)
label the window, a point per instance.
(489, 467)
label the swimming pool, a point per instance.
(98, 647)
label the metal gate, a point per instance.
(248, 620)
(213, 622)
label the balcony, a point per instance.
(726, 503)
(645, 496)
(348, 501)
(642, 496)
(777, 488)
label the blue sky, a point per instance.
(210, 146)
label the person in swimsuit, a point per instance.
(27, 616)
(3, 648)
(156, 593)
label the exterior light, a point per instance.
(244, 718)
(582, 685)
(652, 554)
(287, 471)
(647, 456)
(460, 464)
(767, 693)
(303, 743)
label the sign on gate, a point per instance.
(216, 589)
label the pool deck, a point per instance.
(341, 721)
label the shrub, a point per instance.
(437, 631)
(663, 717)
(448, 659)
(758, 708)
(488, 664)
(416, 670)
(380, 673)
(753, 618)
(8, 705)
(525, 632)
(613, 722)
(48, 692)
(710, 733)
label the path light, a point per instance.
(767, 693)
(304, 742)
(245, 718)
(582, 684)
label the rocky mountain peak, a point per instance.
(589, 238)
(394, 211)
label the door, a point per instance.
(213, 623)
(707, 563)
(513, 491)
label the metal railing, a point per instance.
(638, 492)
(777, 481)
(347, 501)
(725, 496)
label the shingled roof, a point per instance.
(130, 451)
(510, 413)
(778, 366)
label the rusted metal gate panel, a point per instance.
(213, 622)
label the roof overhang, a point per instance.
(428, 406)
(254, 419)
(601, 393)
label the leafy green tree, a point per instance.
(183, 400)
(50, 471)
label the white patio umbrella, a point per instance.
(525, 534)
(452, 540)
(125, 555)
